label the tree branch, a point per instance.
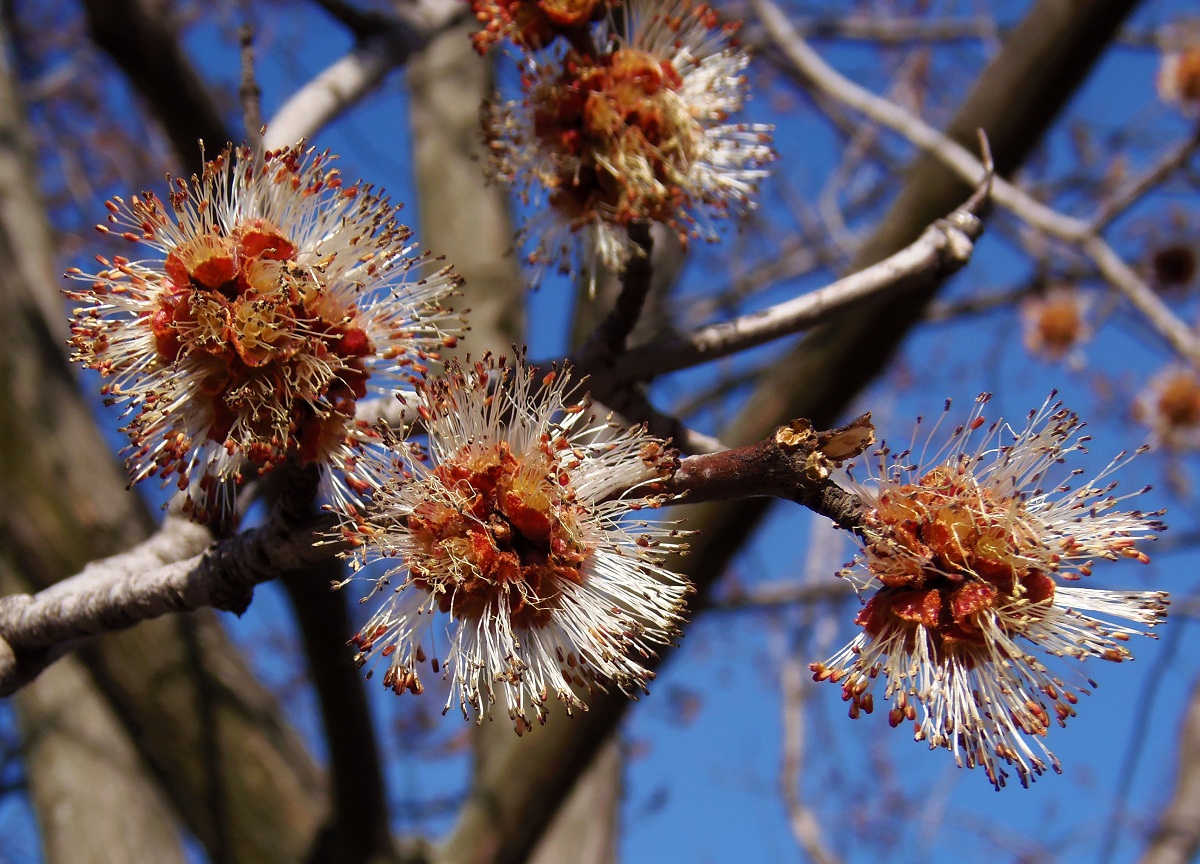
(1014, 101)
(154, 579)
(347, 80)
(793, 465)
(610, 336)
(1177, 838)
(144, 43)
(942, 250)
(821, 76)
(169, 572)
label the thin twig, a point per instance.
(817, 74)
(943, 248)
(804, 824)
(1176, 840)
(609, 338)
(1131, 192)
(772, 597)
(249, 92)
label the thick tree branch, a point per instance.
(156, 578)
(357, 829)
(344, 83)
(139, 36)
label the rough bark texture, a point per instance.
(72, 745)
(49, 523)
(1177, 838)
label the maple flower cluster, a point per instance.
(275, 298)
(621, 123)
(970, 561)
(515, 528)
(1170, 406)
(1055, 322)
(1179, 70)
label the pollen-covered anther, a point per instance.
(515, 534)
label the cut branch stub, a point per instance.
(828, 449)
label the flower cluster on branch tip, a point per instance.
(969, 561)
(513, 527)
(1179, 71)
(622, 120)
(274, 298)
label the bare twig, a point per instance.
(945, 247)
(804, 824)
(1140, 735)
(890, 29)
(1177, 838)
(166, 574)
(347, 80)
(819, 75)
(783, 595)
(1131, 192)
(249, 92)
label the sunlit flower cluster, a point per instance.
(968, 565)
(1055, 322)
(1179, 72)
(1170, 406)
(275, 297)
(516, 534)
(628, 124)
(534, 24)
